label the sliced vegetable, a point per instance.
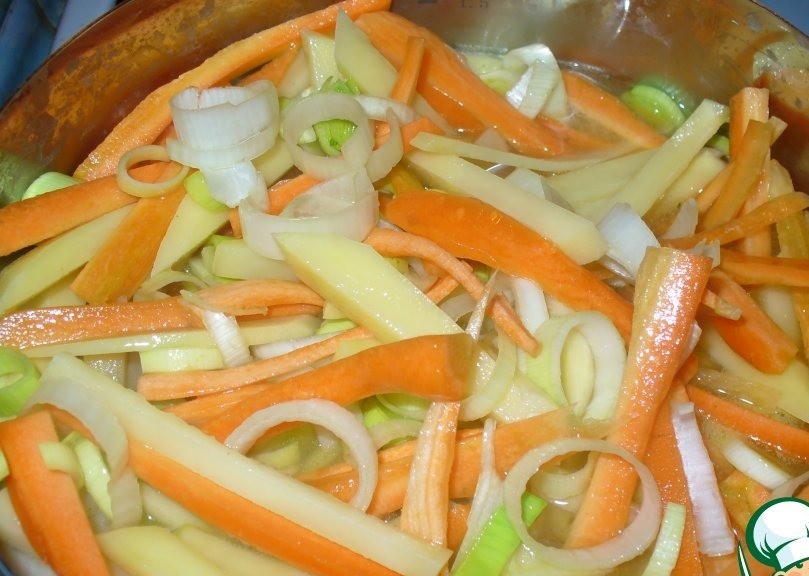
(19, 379)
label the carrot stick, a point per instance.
(173, 385)
(284, 191)
(663, 460)
(247, 521)
(31, 221)
(402, 244)
(409, 131)
(754, 336)
(710, 193)
(126, 258)
(46, 501)
(668, 291)
(446, 73)
(747, 104)
(768, 213)
(425, 508)
(406, 83)
(606, 109)
(746, 269)
(744, 174)
(784, 438)
(439, 374)
(760, 242)
(152, 115)
(511, 442)
(43, 326)
(471, 229)
(275, 69)
(235, 223)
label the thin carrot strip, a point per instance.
(747, 104)
(663, 460)
(283, 192)
(173, 385)
(446, 73)
(440, 374)
(275, 69)
(43, 326)
(425, 508)
(668, 291)
(235, 223)
(31, 221)
(511, 442)
(744, 175)
(768, 270)
(754, 336)
(789, 440)
(126, 258)
(247, 521)
(589, 99)
(393, 243)
(768, 213)
(46, 501)
(152, 115)
(409, 131)
(760, 242)
(457, 523)
(471, 229)
(710, 193)
(406, 83)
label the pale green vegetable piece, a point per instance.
(358, 59)
(364, 286)
(151, 550)
(235, 259)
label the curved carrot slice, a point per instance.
(152, 115)
(46, 501)
(474, 230)
(435, 367)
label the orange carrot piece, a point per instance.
(746, 269)
(126, 258)
(31, 221)
(406, 83)
(747, 104)
(744, 175)
(760, 242)
(152, 115)
(173, 385)
(474, 230)
(283, 192)
(663, 460)
(401, 244)
(742, 496)
(46, 501)
(606, 109)
(275, 69)
(425, 509)
(768, 213)
(511, 442)
(754, 336)
(457, 524)
(446, 73)
(439, 374)
(668, 291)
(247, 521)
(43, 326)
(710, 193)
(789, 440)
(235, 222)
(409, 131)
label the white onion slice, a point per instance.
(92, 412)
(125, 500)
(563, 486)
(627, 237)
(714, 535)
(323, 413)
(377, 108)
(322, 107)
(754, 465)
(347, 205)
(225, 117)
(228, 337)
(211, 158)
(789, 487)
(685, 223)
(529, 303)
(141, 189)
(630, 543)
(234, 183)
(496, 386)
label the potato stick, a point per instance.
(393, 243)
(152, 115)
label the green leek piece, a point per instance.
(59, 456)
(197, 188)
(94, 469)
(340, 85)
(336, 325)
(18, 380)
(721, 143)
(149, 550)
(374, 412)
(669, 538)
(286, 451)
(654, 107)
(498, 540)
(332, 134)
(48, 182)
(681, 97)
(364, 286)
